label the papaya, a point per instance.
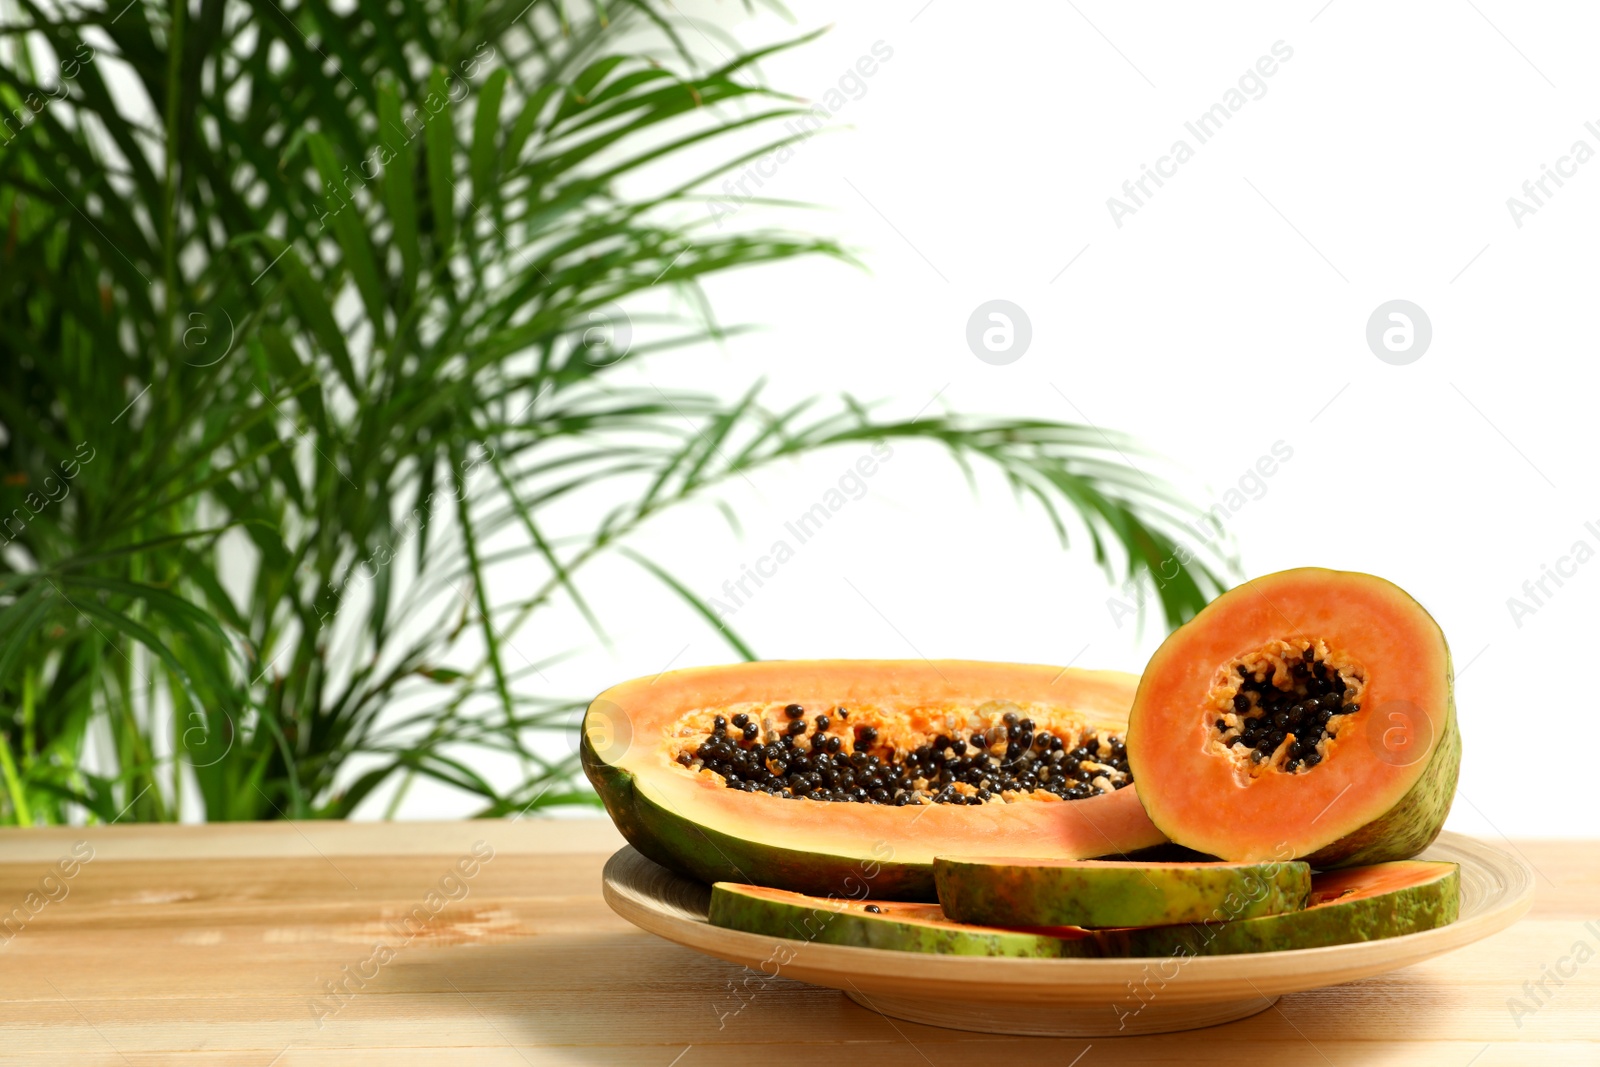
(849, 777)
(1308, 714)
(1094, 894)
(1347, 905)
(897, 925)
(1340, 907)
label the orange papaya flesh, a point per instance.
(1348, 905)
(895, 925)
(1040, 771)
(1344, 906)
(1307, 714)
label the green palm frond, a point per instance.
(308, 321)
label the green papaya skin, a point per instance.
(1099, 894)
(635, 733)
(898, 928)
(705, 855)
(1413, 823)
(694, 851)
(1392, 804)
(1424, 906)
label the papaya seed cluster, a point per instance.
(827, 757)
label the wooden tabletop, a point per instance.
(332, 943)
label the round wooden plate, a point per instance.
(1069, 998)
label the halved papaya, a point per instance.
(888, 924)
(1353, 904)
(1308, 714)
(848, 777)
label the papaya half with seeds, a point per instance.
(896, 925)
(1306, 714)
(1349, 905)
(849, 777)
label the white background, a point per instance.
(1227, 314)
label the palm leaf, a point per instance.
(293, 320)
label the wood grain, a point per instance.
(212, 945)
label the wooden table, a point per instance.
(220, 945)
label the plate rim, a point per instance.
(1268, 973)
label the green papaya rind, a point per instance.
(1415, 821)
(1404, 911)
(705, 855)
(1385, 830)
(633, 734)
(834, 922)
(1100, 894)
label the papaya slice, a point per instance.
(1353, 904)
(848, 777)
(1094, 894)
(1307, 714)
(888, 924)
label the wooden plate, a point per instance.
(1068, 998)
